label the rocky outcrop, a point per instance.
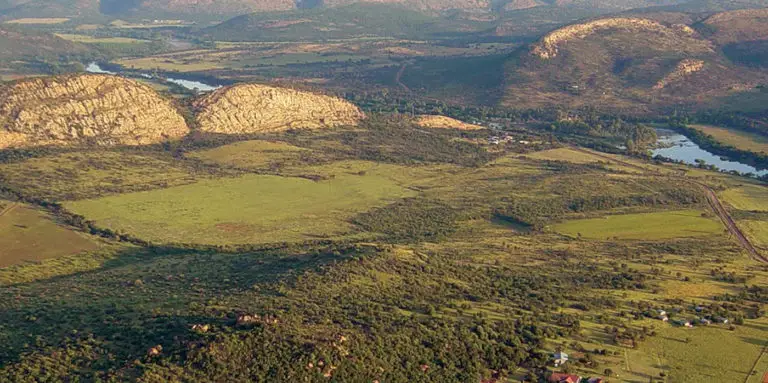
(252, 108)
(442, 122)
(683, 69)
(547, 47)
(99, 109)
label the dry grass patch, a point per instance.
(38, 20)
(739, 139)
(27, 234)
(442, 122)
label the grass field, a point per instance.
(250, 209)
(27, 234)
(565, 154)
(747, 197)
(251, 154)
(736, 138)
(711, 354)
(757, 231)
(170, 64)
(41, 20)
(100, 40)
(92, 173)
(647, 226)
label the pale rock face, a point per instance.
(683, 69)
(442, 122)
(547, 47)
(252, 108)
(106, 110)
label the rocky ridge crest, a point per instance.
(106, 110)
(253, 108)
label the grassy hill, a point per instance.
(23, 50)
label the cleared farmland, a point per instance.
(27, 234)
(249, 209)
(739, 139)
(646, 226)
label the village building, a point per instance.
(560, 358)
(558, 377)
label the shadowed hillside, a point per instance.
(623, 62)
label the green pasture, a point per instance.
(249, 209)
(710, 353)
(93, 173)
(642, 226)
(736, 138)
(751, 197)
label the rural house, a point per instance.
(560, 358)
(558, 377)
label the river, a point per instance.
(189, 84)
(680, 148)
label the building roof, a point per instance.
(558, 377)
(560, 355)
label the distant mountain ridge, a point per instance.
(630, 62)
(224, 8)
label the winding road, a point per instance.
(712, 199)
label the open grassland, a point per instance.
(252, 154)
(752, 197)
(100, 40)
(709, 353)
(171, 64)
(566, 154)
(249, 209)
(41, 20)
(444, 258)
(27, 234)
(736, 138)
(642, 226)
(93, 173)
(757, 232)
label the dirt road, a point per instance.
(717, 206)
(399, 76)
(712, 199)
(8, 209)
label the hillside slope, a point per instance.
(98, 109)
(356, 20)
(19, 46)
(253, 108)
(623, 63)
(742, 35)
